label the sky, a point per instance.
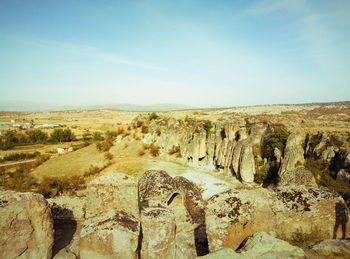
(198, 53)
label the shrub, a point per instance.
(153, 116)
(111, 135)
(87, 136)
(139, 124)
(275, 139)
(104, 145)
(144, 129)
(92, 171)
(120, 131)
(158, 131)
(154, 150)
(208, 127)
(262, 174)
(97, 136)
(20, 180)
(108, 156)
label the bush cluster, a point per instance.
(19, 156)
(175, 150)
(275, 139)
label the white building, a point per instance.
(64, 149)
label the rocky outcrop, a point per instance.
(291, 211)
(156, 188)
(299, 176)
(225, 253)
(111, 234)
(112, 191)
(25, 226)
(293, 153)
(158, 233)
(111, 228)
(343, 176)
(68, 215)
(332, 248)
(182, 198)
(261, 245)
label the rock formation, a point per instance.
(26, 226)
(261, 245)
(232, 216)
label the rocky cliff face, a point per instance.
(234, 147)
(167, 218)
(26, 226)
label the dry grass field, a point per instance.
(74, 163)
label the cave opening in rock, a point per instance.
(201, 240)
(237, 136)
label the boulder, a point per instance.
(225, 253)
(306, 211)
(232, 216)
(261, 245)
(112, 191)
(156, 188)
(68, 215)
(26, 226)
(192, 199)
(293, 153)
(293, 213)
(111, 234)
(332, 248)
(158, 233)
(298, 176)
(343, 176)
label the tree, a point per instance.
(37, 136)
(275, 139)
(60, 135)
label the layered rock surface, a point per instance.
(232, 216)
(26, 226)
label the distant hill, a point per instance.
(37, 107)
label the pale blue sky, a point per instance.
(199, 53)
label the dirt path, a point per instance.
(17, 163)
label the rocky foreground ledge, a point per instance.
(158, 216)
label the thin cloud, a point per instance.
(84, 50)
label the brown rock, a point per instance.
(293, 153)
(112, 191)
(158, 233)
(112, 234)
(26, 226)
(156, 188)
(299, 176)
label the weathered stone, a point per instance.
(26, 226)
(192, 199)
(343, 176)
(292, 212)
(309, 211)
(278, 154)
(232, 216)
(68, 215)
(112, 234)
(247, 163)
(293, 153)
(328, 154)
(112, 191)
(158, 233)
(225, 253)
(261, 245)
(156, 188)
(333, 248)
(65, 254)
(299, 176)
